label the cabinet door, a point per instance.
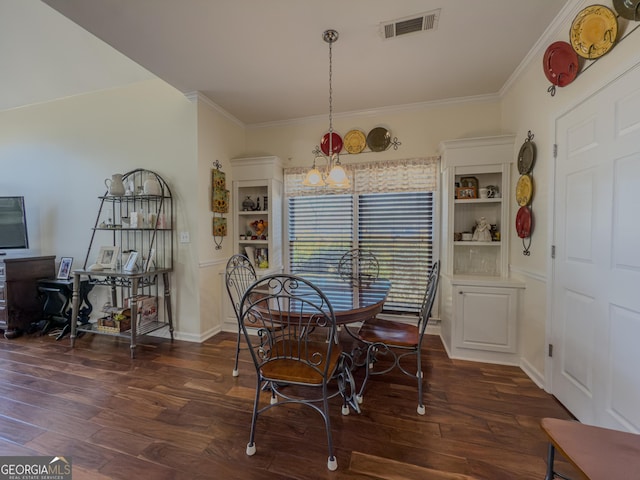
(486, 318)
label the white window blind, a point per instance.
(398, 229)
(320, 231)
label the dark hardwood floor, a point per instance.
(176, 412)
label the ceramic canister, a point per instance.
(152, 186)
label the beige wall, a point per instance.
(219, 138)
(419, 128)
(58, 154)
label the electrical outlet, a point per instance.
(184, 237)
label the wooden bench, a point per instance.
(598, 453)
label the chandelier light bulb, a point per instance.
(313, 178)
(338, 177)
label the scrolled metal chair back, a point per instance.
(239, 275)
(358, 266)
(429, 297)
(288, 313)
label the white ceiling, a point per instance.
(264, 60)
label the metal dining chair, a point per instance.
(296, 361)
(393, 340)
(239, 274)
(358, 265)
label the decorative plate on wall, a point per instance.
(526, 157)
(354, 141)
(336, 143)
(594, 31)
(379, 139)
(523, 222)
(524, 190)
(560, 64)
(629, 9)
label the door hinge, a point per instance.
(553, 251)
(555, 150)
(551, 349)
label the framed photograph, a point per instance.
(466, 193)
(65, 268)
(108, 256)
(469, 182)
(130, 266)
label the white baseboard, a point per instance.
(532, 373)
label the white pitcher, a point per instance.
(115, 185)
(151, 185)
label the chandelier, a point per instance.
(331, 174)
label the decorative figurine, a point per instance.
(482, 232)
(248, 204)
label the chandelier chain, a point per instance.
(330, 92)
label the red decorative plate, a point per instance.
(524, 222)
(336, 143)
(560, 64)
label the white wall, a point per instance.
(527, 106)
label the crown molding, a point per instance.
(550, 35)
(380, 111)
(199, 96)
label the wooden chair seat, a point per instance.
(598, 453)
(396, 341)
(287, 369)
(284, 310)
(389, 332)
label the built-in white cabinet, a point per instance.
(257, 211)
(486, 317)
(257, 196)
(479, 302)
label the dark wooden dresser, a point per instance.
(20, 304)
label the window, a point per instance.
(320, 231)
(396, 227)
(389, 211)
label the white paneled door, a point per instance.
(596, 274)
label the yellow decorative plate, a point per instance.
(593, 31)
(354, 141)
(524, 190)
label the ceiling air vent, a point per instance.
(416, 23)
